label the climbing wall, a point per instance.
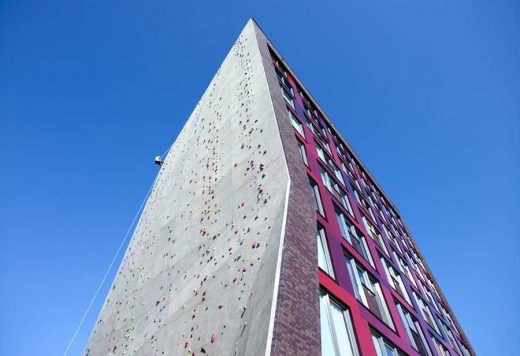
(199, 274)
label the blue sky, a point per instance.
(427, 93)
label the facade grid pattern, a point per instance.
(368, 262)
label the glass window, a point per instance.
(337, 172)
(328, 346)
(287, 96)
(374, 234)
(332, 166)
(368, 291)
(426, 312)
(348, 171)
(448, 335)
(384, 347)
(296, 123)
(326, 179)
(303, 153)
(413, 331)
(337, 335)
(395, 280)
(324, 261)
(321, 153)
(391, 237)
(353, 236)
(282, 77)
(404, 268)
(317, 197)
(441, 349)
(431, 299)
(335, 189)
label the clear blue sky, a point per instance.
(427, 92)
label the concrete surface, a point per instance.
(199, 272)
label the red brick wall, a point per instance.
(297, 324)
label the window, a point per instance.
(282, 77)
(348, 171)
(321, 153)
(441, 350)
(323, 141)
(362, 201)
(368, 291)
(287, 96)
(413, 331)
(431, 299)
(448, 335)
(310, 125)
(326, 179)
(385, 347)
(374, 234)
(317, 133)
(433, 287)
(395, 280)
(381, 214)
(404, 268)
(371, 212)
(317, 198)
(336, 190)
(323, 252)
(303, 153)
(353, 164)
(448, 316)
(426, 312)
(391, 237)
(336, 170)
(296, 123)
(354, 237)
(337, 335)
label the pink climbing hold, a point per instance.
(157, 303)
(220, 306)
(235, 279)
(255, 245)
(213, 337)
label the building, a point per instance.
(265, 234)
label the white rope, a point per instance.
(114, 259)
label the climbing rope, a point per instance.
(138, 213)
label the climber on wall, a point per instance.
(158, 160)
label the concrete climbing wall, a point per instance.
(199, 274)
